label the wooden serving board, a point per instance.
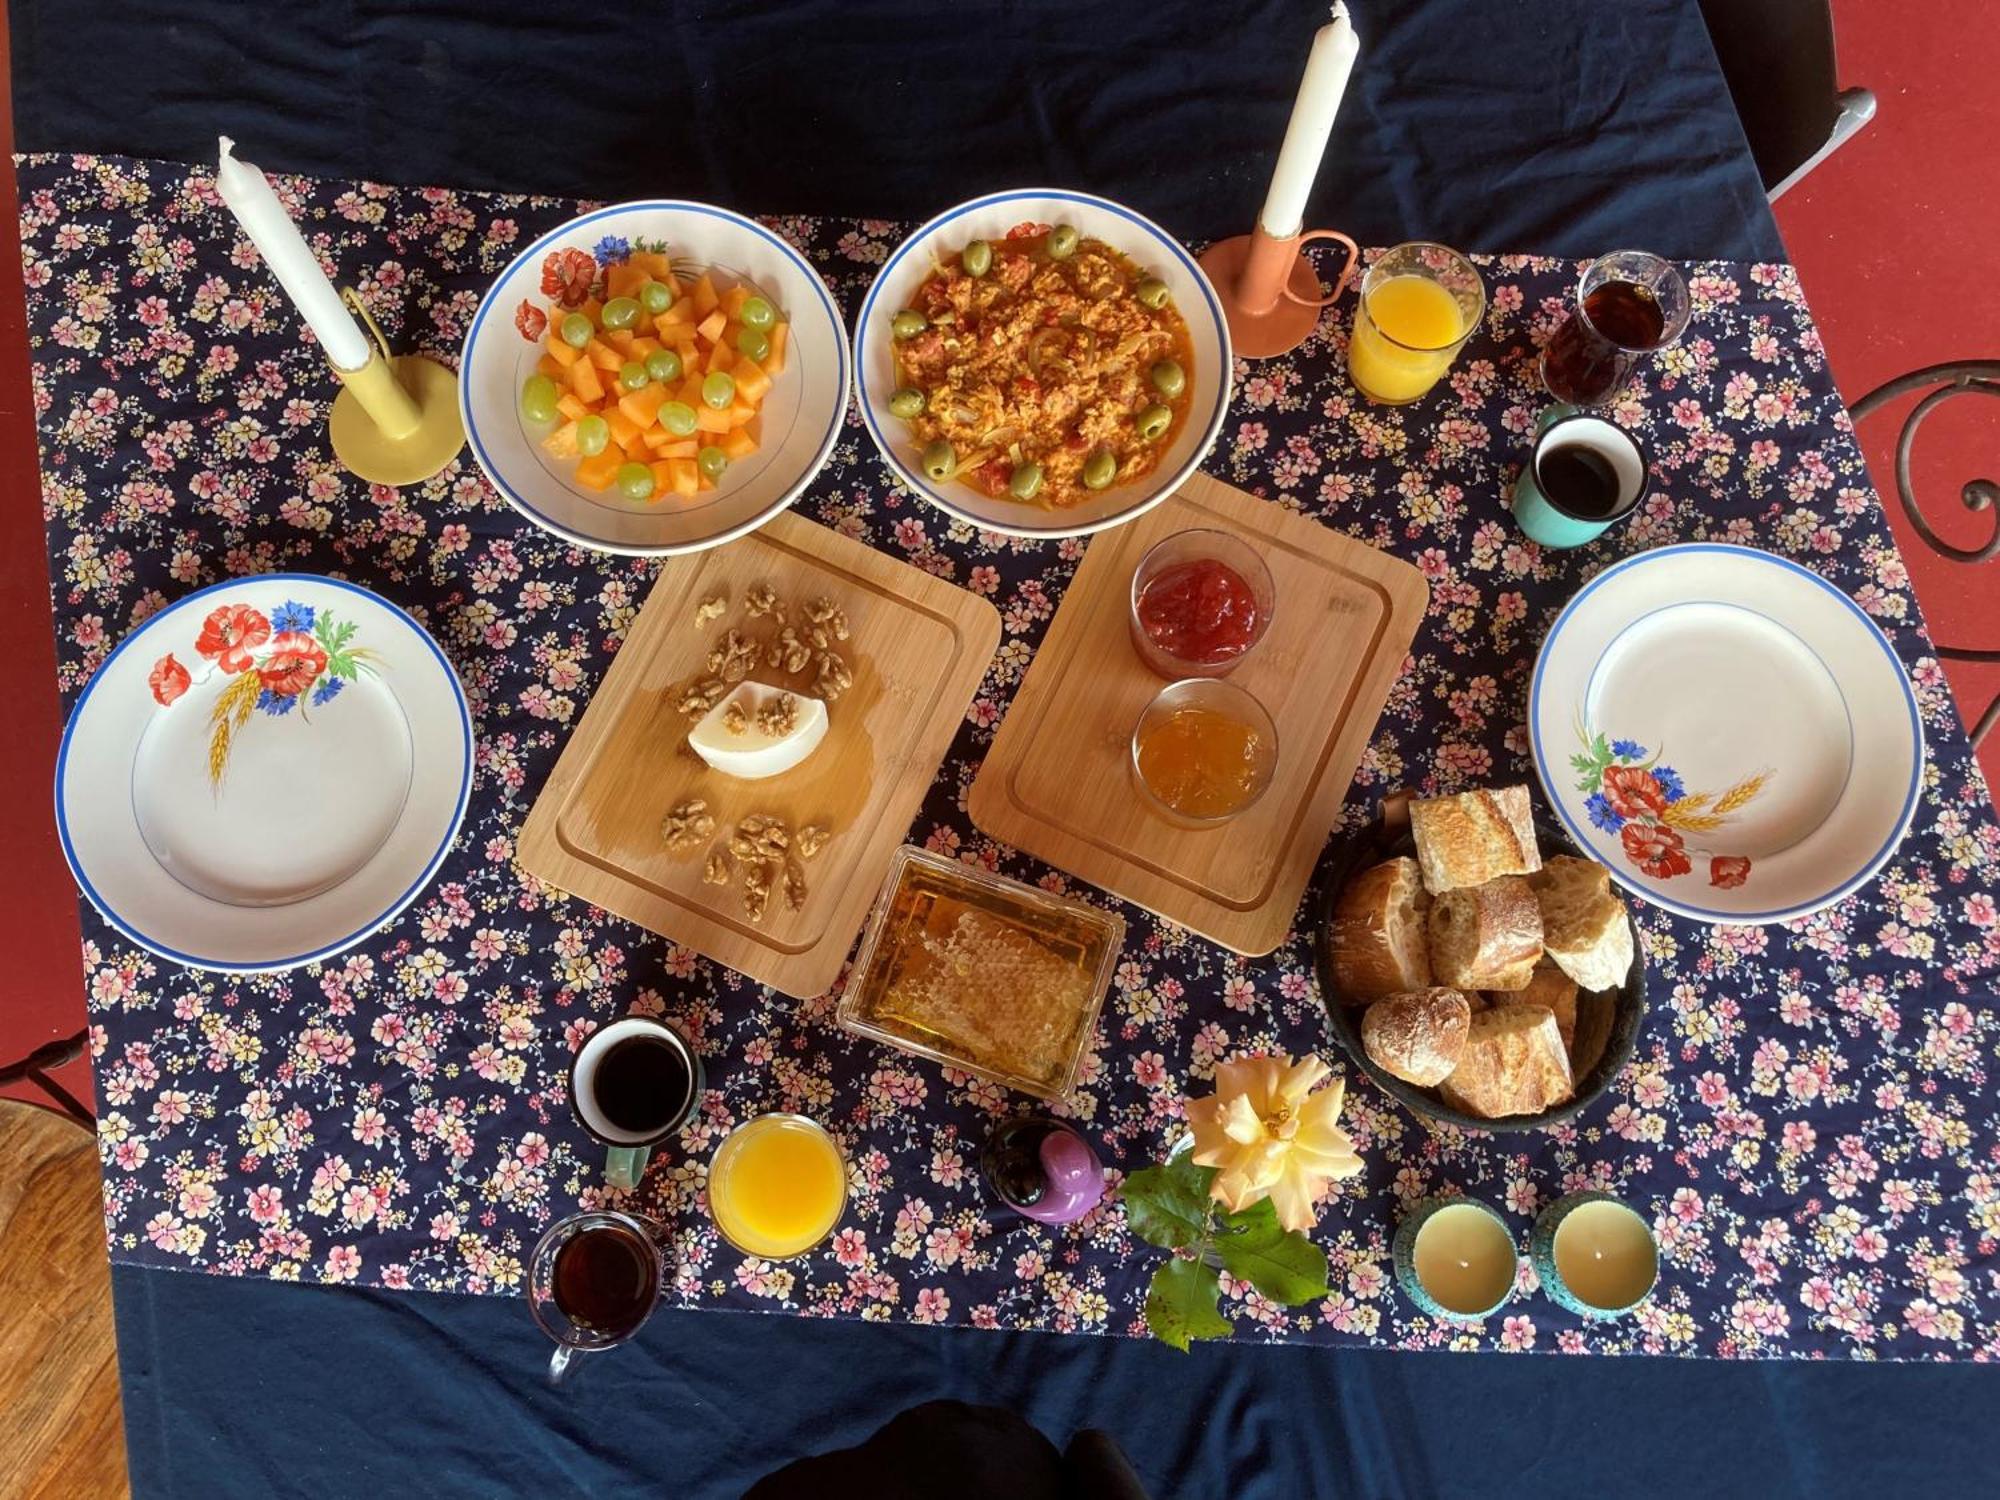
(1057, 782)
(917, 649)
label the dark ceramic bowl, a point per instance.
(1626, 1005)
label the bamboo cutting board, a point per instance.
(917, 649)
(1057, 782)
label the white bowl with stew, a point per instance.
(1108, 416)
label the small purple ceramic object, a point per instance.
(1043, 1168)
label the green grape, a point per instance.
(712, 461)
(718, 389)
(620, 312)
(632, 375)
(757, 313)
(538, 399)
(591, 435)
(576, 330)
(635, 481)
(678, 418)
(752, 343)
(664, 365)
(656, 297)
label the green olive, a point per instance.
(1153, 421)
(907, 403)
(1169, 379)
(1099, 470)
(1063, 241)
(976, 259)
(1026, 482)
(908, 323)
(1153, 292)
(940, 460)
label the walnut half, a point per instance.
(717, 868)
(810, 840)
(687, 825)
(709, 609)
(701, 696)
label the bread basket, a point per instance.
(1385, 841)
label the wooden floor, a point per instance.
(61, 1434)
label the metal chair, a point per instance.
(1945, 383)
(1777, 58)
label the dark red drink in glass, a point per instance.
(1629, 304)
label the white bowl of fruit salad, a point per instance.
(654, 378)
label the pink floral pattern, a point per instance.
(1810, 1119)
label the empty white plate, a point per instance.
(264, 773)
(1727, 732)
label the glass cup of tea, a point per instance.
(1419, 303)
(633, 1084)
(593, 1281)
(1628, 304)
(1585, 473)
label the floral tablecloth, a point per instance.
(1810, 1118)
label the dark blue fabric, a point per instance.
(245, 1388)
(1557, 126)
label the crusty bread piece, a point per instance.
(1417, 1037)
(1474, 837)
(1551, 987)
(1376, 938)
(1513, 1064)
(1595, 1015)
(1486, 938)
(1584, 925)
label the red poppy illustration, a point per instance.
(1728, 871)
(230, 634)
(1633, 793)
(1655, 849)
(168, 679)
(567, 275)
(294, 661)
(530, 320)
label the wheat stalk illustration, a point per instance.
(230, 714)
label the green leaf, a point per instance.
(1181, 1304)
(1281, 1263)
(1169, 1205)
(1601, 748)
(1584, 763)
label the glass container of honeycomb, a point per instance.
(982, 973)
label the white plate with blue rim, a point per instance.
(1155, 253)
(264, 772)
(1727, 732)
(797, 423)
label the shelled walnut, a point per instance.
(789, 651)
(759, 838)
(833, 678)
(763, 600)
(779, 717)
(810, 840)
(709, 609)
(757, 889)
(825, 622)
(795, 885)
(687, 825)
(735, 718)
(732, 657)
(717, 868)
(701, 695)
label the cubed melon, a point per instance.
(597, 471)
(678, 447)
(653, 263)
(550, 366)
(624, 279)
(721, 357)
(711, 326)
(683, 478)
(774, 362)
(586, 382)
(562, 442)
(733, 299)
(739, 444)
(603, 356)
(752, 384)
(642, 406)
(562, 353)
(619, 339)
(704, 294)
(571, 405)
(708, 419)
(624, 431)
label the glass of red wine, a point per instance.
(1628, 304)
(593, 1281)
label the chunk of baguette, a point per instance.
(1584, 924)
(1513, 1063)
(1417, 1037)
(1376, 938)
(1474, 837)
(1488, 937)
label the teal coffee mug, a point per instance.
(633, 1084)
(1585, 473)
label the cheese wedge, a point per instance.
(749, 735)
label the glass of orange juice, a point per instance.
(1419, 303)
(777, 1185)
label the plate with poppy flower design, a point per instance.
(264, 772)
(1727, 732)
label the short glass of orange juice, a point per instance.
(1419, 303)
(777, 1186)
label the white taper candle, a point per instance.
(1333, 52)
(249, 196)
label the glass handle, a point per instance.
(1346, 269)
(625, 1165)
(559, 1363)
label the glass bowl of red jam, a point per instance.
(1201, 601)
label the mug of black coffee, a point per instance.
(1586, 472)
(593, 1281)
(632, 1085)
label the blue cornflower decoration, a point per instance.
(328, 690)
(271, 703)
(1628, 749)
(291, 615)
(1670, 782)
(1602, 813)
(612, 249)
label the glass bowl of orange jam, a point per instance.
(1203, 752)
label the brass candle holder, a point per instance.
(1270, 292)
(396, 418)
